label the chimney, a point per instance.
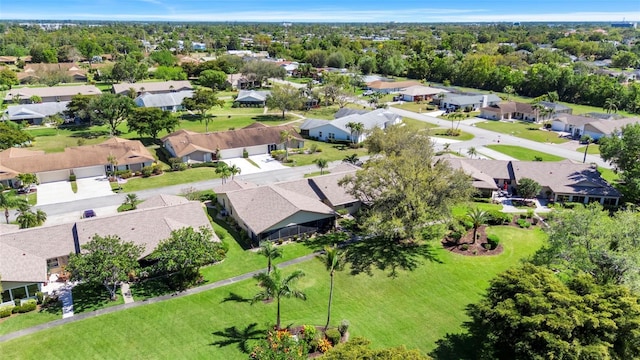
(485, 100)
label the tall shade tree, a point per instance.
(528, 188)
(285, 98)
(215, 79)
(203, 100)
(623, 152)
(105, 260)
(9, 201)
(111, 109)
(405, 190)
(278, 286)
(334, 260)
(11, 135)
(79, 107)
(271, 252)
(184, 252)
(478, 218)
(151, 121)
(129, 69)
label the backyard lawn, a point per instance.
(169, 178)
(524, 130)
(217, 323)
(524, 154)
(418, 107)
(331, 152)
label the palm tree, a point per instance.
(234, 170)
(478, 217)
(356, 128)
(509, 90)
(446, 147)
(351, 159)
(588, 140)
(28, 219)
(610, 105)
(271, 252)
(472, 152)
(333, 260)
(321, 163)
(8, 201)
(131, 200)
(277, 286)
(285, 138)
(224, 171)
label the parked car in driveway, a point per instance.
(28, 189)
(88, 214)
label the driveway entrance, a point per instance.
(60, 191)
(265, 163)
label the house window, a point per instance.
(609, 201)
(320, 134)
(6, 296)
(19, 293)
(52, 263)
(332, 136)
(32, 290)
(578, 199)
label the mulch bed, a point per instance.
(474, 249)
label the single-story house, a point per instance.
(578, 126)
(254, 139)
(337, 130)
(387, 87)
(288, 209)
(51, 94)
(420, 93)
(34, 114)
(252, 98)
(509, 110)
(159, 87)
(563, 181)
(32, 72)
(165, 101)
(241, 82)
(8, 60)
(82, 161)
(471, 102)
(32, 257)
(556, 109)
(573, 124)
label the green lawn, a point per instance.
(524, 154)
(462, 209)
(524, 130)
(388, 311)
(169, 178)
(594, 149)
(420, 107)
(327, 112)
(418, 124)
(229, 109)
(441, 133)
(330, 152)
(609, 175)
(21, 321)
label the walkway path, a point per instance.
(126, 293)
(112, 309)
(67, 301)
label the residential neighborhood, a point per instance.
(256, 189)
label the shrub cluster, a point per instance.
(524, 223)
(333, 335)
(202, 164)
(493, 241)
(26, 306)
(495, 217)
(6, 311)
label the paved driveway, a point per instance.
(265, 163)
(60, 191)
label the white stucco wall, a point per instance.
(326, 129)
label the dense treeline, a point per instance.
(533, 60)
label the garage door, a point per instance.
(51, 176)
(90, 171)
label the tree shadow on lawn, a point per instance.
(455, 346)
(385, 254)
(89, 297)
(90, 134)
(269, 118)
(241, 337)
(236, 298)
(151, 288)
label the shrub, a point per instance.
(157, 168)
(147, 171)
(310, 332)
(314, 345)
(27, 306)
(523, 223)
(324, 345)
(530, 213)
(277, 154)
(333, 335)
(175, 163)
(72, 177)
(40, 297)
(465, 247)
(313, 148)
(204, 164)
(496, 217)
(487, 246)
(245, 153)
(6, 311)
(342, 212)
(344, 326)
(319, 149)
(125, 174)
(493, 241)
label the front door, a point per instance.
(272, 147)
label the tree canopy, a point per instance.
(528, 188)
(111, 109)
(12, 135)
(151, 121)
(529, 313)
(215, 79)
(105, 260)
(623, 152)
(202, 100)
(285, 98)
(404, 188)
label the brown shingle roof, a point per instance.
(383, 85)
(233, 185)
(184, 142)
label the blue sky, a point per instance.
(324, 11)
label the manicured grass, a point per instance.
(594, 149)
(524, 130)
(331, 152)
(316, 173)
(609, 175)
(228, 108)
(416, 107)
(524, 154)
(463, 209)
(417, 124)
(327, 112)
(88, 298)
(442, 133)
(21, 321)
(389, 311)
(169, 178)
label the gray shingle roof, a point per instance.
(252, 95)
(463, 100)
(35, 111)
(153, 87)
(380, 118)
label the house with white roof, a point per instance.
(164, 101)
(252, 97)
(34, 114)
(337, 130)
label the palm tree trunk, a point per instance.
(278, 315)
(268, 265)
(330, 300)
(6, 214)
(475, 231)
